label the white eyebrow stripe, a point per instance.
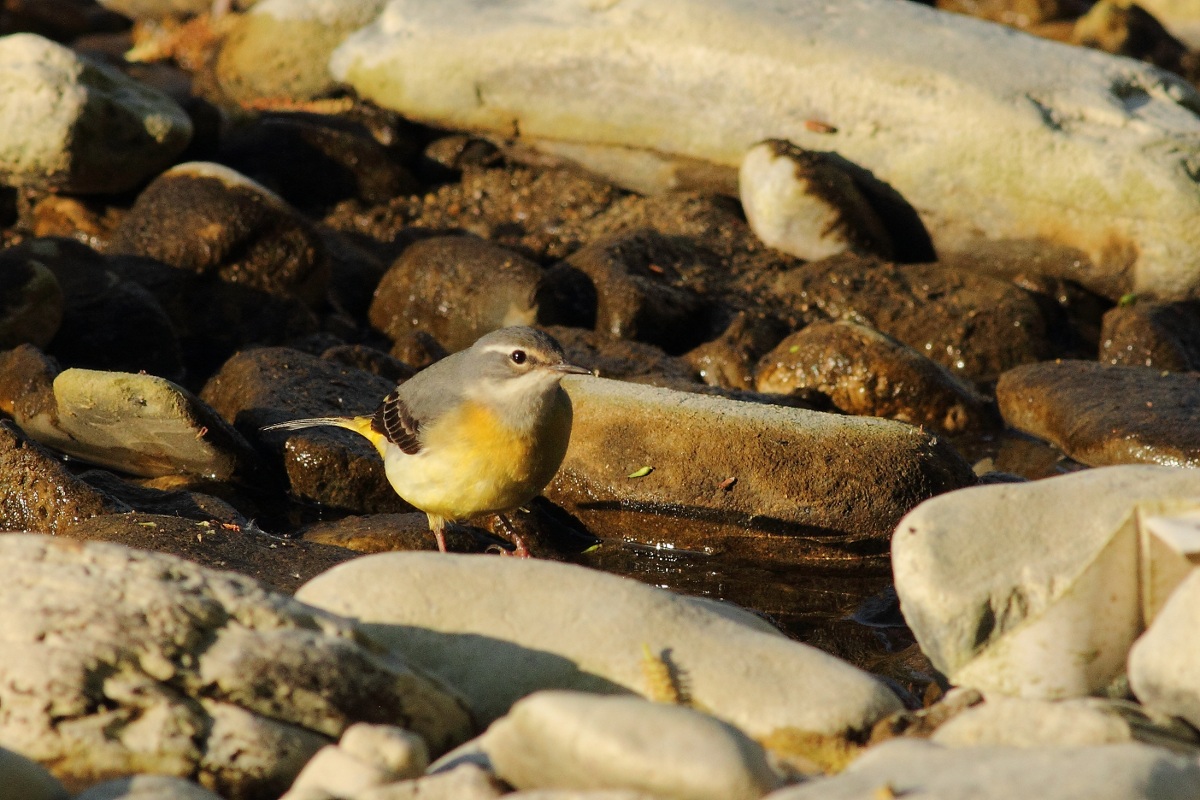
(500, 348)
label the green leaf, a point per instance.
(640, 472)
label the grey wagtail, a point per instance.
(481, 431)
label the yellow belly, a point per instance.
(471, 464)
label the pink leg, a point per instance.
(438, 526)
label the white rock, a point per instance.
(575, 794)
(801, 203)
(367, 756)
(73, 125)
(985, 131)
(22, 779)
(1180, 17)
(1035, 589)
(156, 9)
(1019, 722)
(573, 740)
(148, 787)
(335, 772)
(401, 752)
(465, 782)
(498, 629)
(914, 768)
(1164, 664)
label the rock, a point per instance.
(1005, 585)
(1165, 336)
(208, 219)
(281, 48)
(120, 662)
(728, 361)
(576, 628)
(1061, 117)
(184, 498)
(1018, 13)
(1127, 29)
(642, 282)
(27, 382)
(915, 768)
(754, 480)
(366, 757)
(573, 740)
(568, 794)
(976, 326)
(1020, 722)
(622, 359)
(802, 202)
(1162, 665)
(369, 359)
(456, 288)
(325, 465)
(1180, 16)
(89, 222)
(31, 308)
(868, 373)
(96, 130)
(382, 533)
(466, 782)
(159, 9)
(138, 424)
(1102, 415)
(148, 787)
(27, 780)
(400, 752)
(37, 493)
(281, 564)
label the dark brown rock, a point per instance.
(1160, 335)
(370, 360)
(729, 360)
(1102, 415)
(868, 373)
(208, 219)
(184, 503)
(324, 465)
(381, 533)
(88, 222)
(282, 564)
(622, 359)
(1127, 29)
(31, 303)
(1018, 13)
(456, 288)
(38, 494)
(976, 326)
(27, 383)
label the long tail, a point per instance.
(360, 425)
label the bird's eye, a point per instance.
(518, 356)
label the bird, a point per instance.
(481, 431)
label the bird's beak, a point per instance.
(570, 369)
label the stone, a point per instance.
(1162, 665)
(1028, 131)
(338, 468)
(210, 220)
(382, 533)
(622, 359)
(119, 662)
(867, 373)
(1022, 722)
(148, 787)
(751, 480)
(573, 740)
(1038, 589)
(974, 325)
(281, 564)
(140, 425)
(27, 780)
(456, 288)
(1127, 29)
(368, 359)
(576, 628)
(1165, 336)
(465, 782)
(281, 47)
(336, 773)
(802, 202)
(916, 768)
(31, 308)
(79, 126)
(400, 752)
(1101, 415)
(38, 493)
(728, 361)
(642, 283)
(1182, 17)
(1018, 13)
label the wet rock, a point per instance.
(31, 303)
(621, 359)
(381, 533)
(1127, 29)
(573, 740)
(370, 360)
(138, 424)
(282, 564)
(1165, 336)
(89, 223)
(418, 349)
(728, 361)
(641, 282)
(868, 373)
(27, 779)
(96, 131)
(27, 382)
(592, 636)
(189, 503)
(801, 202)
(1103, 415)
(753, 480)
(324, 465)
(977, 327)
(1004, 585)
(1069, 112)
(456, 288)
(208, 219)
(148, 787)
(1105, 772)
(281, 49)
(367, 756)
(1162, 664)
(37, 493)
(120, 661)
(340, 160)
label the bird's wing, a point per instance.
(395, 421)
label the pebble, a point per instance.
(1101, 415)
(1165, 336)
(27, 780)
(1163, 670)
(32, 305)
(148, 787)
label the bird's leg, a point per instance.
(438, 526)
(520, 550)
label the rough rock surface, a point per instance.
(1162, 663)
(1160, 335)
